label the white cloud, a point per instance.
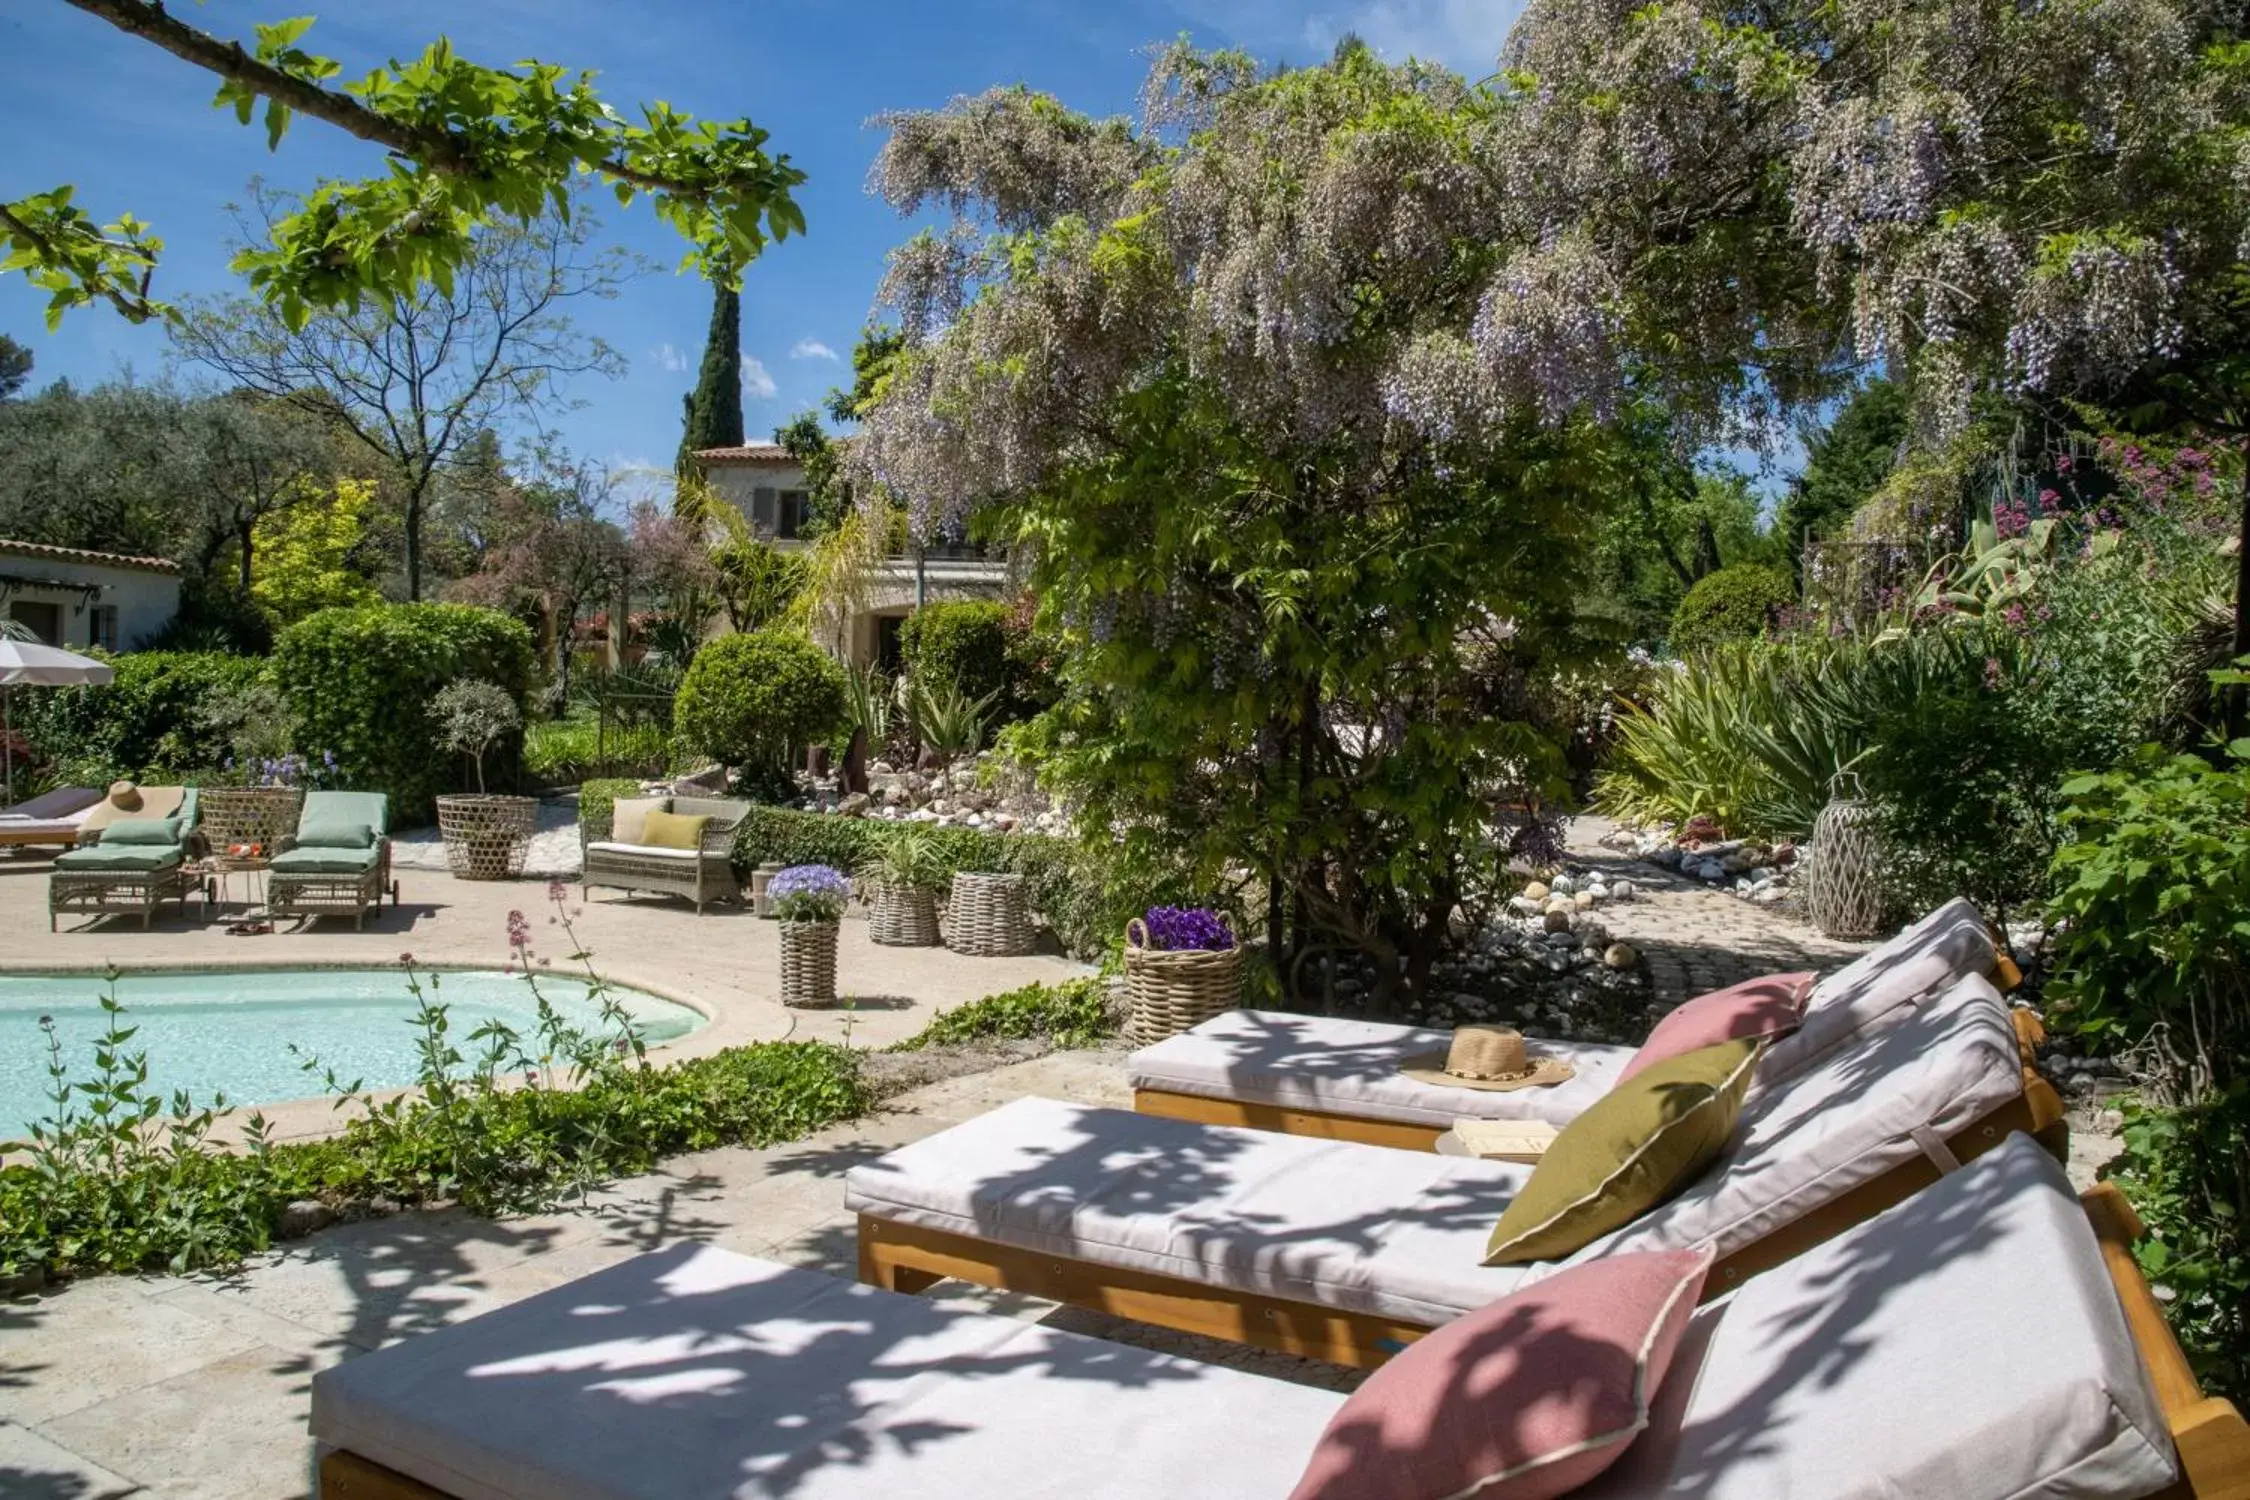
(811, 349)
(668, 357)
(757, 383)
(1465, 35)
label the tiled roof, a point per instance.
(78, 555)
(748, 453)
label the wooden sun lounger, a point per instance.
(909, 1258)
(2210, 1437)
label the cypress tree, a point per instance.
(713, 412)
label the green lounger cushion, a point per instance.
(334, 831)
(121, 859)
(370, 808)
(159, 833)
(319, 861)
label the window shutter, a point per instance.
(763, 509)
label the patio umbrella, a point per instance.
(36, 665)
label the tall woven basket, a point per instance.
(1168, 992)
(486, 838)
(903, 916)
(808, 963)
(1841, 893)
(989, 917)
(248, 817)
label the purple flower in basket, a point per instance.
(1174, 929)
(809, 893)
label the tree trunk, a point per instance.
(242, 535)
(414, 547)
(2236, 717)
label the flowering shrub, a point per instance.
(1179, 929)
(809, 893)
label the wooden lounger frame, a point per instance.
(2212, 1439)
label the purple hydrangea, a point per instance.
(809, 893)
(1174, 929)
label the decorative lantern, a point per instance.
(1841, 895)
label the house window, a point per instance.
(791, 519)
(42, 620)
(762, 507)
(101, 626)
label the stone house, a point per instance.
(76, 599)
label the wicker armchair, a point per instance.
(702, 875)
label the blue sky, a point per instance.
(133, 128)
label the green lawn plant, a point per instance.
(1075, 1013)
(121, 1180)
(2152, 963)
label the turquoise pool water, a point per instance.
(231, 1031)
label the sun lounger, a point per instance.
(1339, 1079)
(54, 817)
(338, 862)
(1345, 1251)
(112, 877)
(1976, 1342)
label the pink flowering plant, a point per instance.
(809, 893)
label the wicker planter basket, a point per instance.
(808, 963)
(486, 837)
(988, 917)
(1168, 992)
(903, 916)
(247, 817)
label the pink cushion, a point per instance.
(1761, 1008)
(1523, 1399)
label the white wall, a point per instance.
(145, 601)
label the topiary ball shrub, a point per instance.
(362, 680)
(752, 701)
(1734, 603)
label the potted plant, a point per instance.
(809, 902)
(1182, 967)
(906, 876)
(486, 836)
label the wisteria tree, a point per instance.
(1309, 592)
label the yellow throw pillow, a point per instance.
(1635, 1147)
(663, 830)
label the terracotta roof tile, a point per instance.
(79, 555)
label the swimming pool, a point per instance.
(231, 1030)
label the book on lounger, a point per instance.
(1505, 1140)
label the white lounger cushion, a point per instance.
(694, 1373)
(1349, 1067)
(1361, 1228)
(1352, 1068)
(1965, 1344)
(648, 851)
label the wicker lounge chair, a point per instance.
(56, 818)
(1344, 1251)
(338, 862)
(702, 875)
(1988, 1338)
(1339, 1079)
(108, 876)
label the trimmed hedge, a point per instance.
(1064, 884)
(1732, 604)
(361, 680)
(145, 721)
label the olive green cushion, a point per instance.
(159, 833)
(334, 831)
(663, 830)
(1633, 1148)
(325, 861)
(123, 859)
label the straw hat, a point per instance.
(125, 796)
(1493, 1058)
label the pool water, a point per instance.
(231, 1031)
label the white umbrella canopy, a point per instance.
(35, 664)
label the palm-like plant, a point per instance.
(911, 859)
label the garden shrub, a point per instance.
(362, 680)
(150, 721)
(2152, 963)
(600, 795)
(1731, 604)
(983, 650)
(1074, 1013)
(1075, 893)
(753, 701)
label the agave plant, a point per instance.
(943, 717)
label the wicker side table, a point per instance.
(989, 917)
